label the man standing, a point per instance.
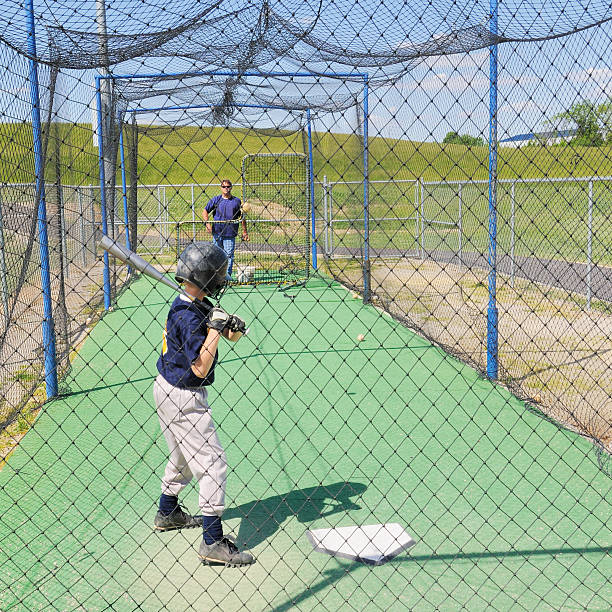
(226, 211)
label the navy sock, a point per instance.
(167, 503)
(213, 530)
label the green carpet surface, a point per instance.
(508, 510)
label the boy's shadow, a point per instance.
(260, 519)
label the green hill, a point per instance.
(202, 155)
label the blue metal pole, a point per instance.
(312, 195)
(366, 204)
(196, 106)
(48, 327)
(106, 271)
(124, 193)
(492, 314)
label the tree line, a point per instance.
(590, 125)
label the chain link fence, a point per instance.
(420, 415)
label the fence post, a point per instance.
(311, 195)
(590, 246)
(330, 204)
(512, 234)
(92, 204)
(63, 233)
(460, 224)
(124, 192)
(166, 224)
(193, 218)
(422, 217)
(3, 272)
(82, 226)
(102, 163)
(325, 217)
(159, 219)
(366, 196)
(416, 213)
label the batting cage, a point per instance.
(305, 305)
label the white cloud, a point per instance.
(590, 74)
(519, 106)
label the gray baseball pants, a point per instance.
(195, 449)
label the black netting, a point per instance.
(383, 33)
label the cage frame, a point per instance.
(359, 76)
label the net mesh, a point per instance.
(429, 310)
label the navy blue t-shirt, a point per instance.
(184, 336)
(225, 209)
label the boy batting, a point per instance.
(186, 368)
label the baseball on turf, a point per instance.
(355, 296)
(246, 207)
(360, 337)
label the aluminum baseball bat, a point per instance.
(137, 262)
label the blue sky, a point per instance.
(440, 94)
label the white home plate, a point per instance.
(372, 544)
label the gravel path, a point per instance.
(569, 276)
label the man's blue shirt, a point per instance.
(224, 209)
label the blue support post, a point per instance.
(492, 314)
(312, 194)
(366, 203)
(48, 327)
(106, 271)
(124, 194)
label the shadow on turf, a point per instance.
(260, 519)
(331, 577)
(67, 391)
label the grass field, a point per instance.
(185, 156)
(551, 218)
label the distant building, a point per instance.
(546, 138)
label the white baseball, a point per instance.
(360, 338)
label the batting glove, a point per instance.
(236, 324)
(218, 319)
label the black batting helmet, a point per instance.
(205, 265)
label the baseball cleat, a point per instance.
(177, 519)
(224, 552)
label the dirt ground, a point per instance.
(21, 352)
(553, 352)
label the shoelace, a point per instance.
(230, 545)
(180, 511)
